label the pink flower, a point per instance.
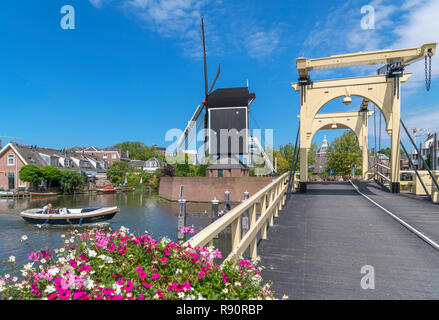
(142, 275)
(128, 287)
(52, 296)
(159, 293)
(33, 256)
(73, 263)
(141, 297)
(163, 259)
(155, 276)
(201, 274)
(187, 230)
(147, 285)
(112, 247)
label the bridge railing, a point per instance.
(414, 183)
(271, 199)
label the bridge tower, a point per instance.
(382, 89)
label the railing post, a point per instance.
(181, 220)
(227, 206)
(215, 205)
(252, 220)
(245, 216)
(263, 210)
(271, 213)
(236, 233)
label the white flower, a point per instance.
(28, 266)
(24, 273)
(43, 260)
(225, 290)
(237, 283)
(66, 241)
(49, 289)
(107, 259)
(91, 253)
(285, 297)
(178, 271)
(7, 276)
(116, 288)
(53, 271)
(200, 297)
(14, 279)
(11, 259)
(89, 284)
(61, 250)
(181, 295)
(63, 236)
(24, 238)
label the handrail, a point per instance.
(383, 176)
(271, 197)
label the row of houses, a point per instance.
(93, 161)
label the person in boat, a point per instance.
(47, 209)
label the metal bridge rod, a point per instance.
(419, 154)
(416, 171)
(293, 163)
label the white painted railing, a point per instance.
(271, 199)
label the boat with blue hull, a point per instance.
(69, 216)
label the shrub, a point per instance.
(70, 181)
(112, 266)
(51, 174)
(31, 173)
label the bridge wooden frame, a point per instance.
(271, 200)
(381, 90)
(357, 121)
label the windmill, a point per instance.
(224, 109)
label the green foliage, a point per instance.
(152, 179)
(387, 151)
(342, 153)
(31, 173)
(51, 174)
(117, 172)
(138, 150)
(70, 181)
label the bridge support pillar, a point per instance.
(302, 187)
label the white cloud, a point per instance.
(423, 118)
(97, 3)
(260, 44)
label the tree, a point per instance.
(31, 173)
(70, 181)
(117, 172)
(51, 174)
(138, 150)
(342, 153)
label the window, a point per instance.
(105, 155)
(11, 160)
(220, 172)
(113, 156)
(54, 161)
(67, 163)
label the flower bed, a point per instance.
(121, 266)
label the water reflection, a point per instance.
(139, 212)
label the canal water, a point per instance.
(138, 211)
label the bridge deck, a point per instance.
(322, 238)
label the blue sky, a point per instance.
(132, 69)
